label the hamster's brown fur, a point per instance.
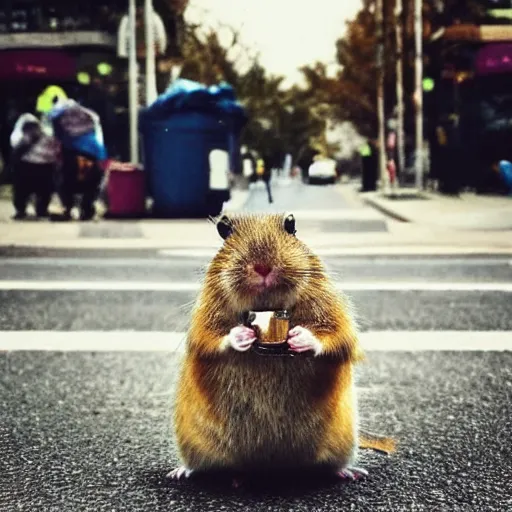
(244, 411)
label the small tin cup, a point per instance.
(271, 328)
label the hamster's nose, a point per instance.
(262, 269)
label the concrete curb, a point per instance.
(467, 213)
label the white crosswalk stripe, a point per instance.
(174, 286)
(158, 341)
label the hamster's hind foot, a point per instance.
(179, 473)
(350, 473)
(237, 482)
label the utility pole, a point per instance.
(379, 21)
(151, 92)
(418, 94)
(400, 113)
(133, 86)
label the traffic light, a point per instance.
(83, 78)
(428, 84)
(104, 68)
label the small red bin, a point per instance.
(126, 190)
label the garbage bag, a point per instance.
(78, 129)
(188, 96)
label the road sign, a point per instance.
(123, 37)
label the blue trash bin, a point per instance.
(176, 156)
(179, 132)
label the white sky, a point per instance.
(286, 33)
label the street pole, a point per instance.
(379, 21)
(418, 94)
(151, 91)
(133, 86)
(400, 113)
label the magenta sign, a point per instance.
(494, 58)
(53, 64)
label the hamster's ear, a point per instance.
(289, 224)
(224, 227)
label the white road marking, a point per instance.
(173, 286)
(157, 341)
(99, 262)
(399, 251)
(153, 286)
(191, 257)
(338, 214)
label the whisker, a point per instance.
(187, 305)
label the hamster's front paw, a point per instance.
(241, 338)
(301, 339)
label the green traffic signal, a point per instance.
(104, 68)
(83, 78)
(428, 84)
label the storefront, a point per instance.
(470, 111)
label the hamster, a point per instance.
(238, 410)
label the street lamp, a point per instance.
(127, 47)
(379, 21)
(133, 84)
(418, 93)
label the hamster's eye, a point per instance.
(224, 227)
(289, 225)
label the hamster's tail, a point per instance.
(369, 441)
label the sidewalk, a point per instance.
(468, 212)
(200, 235)
(238, 199)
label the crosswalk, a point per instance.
(90, 349)
(90, 303)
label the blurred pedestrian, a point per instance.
(83, 156)
(287, 166)
(264, 173)
(504, 168)
(248, 163)
(10, 112)
(35, 157)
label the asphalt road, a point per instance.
(294, 196)
(91, 431)
(161, 311)
(377, 309)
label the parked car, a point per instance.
(322, 171)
